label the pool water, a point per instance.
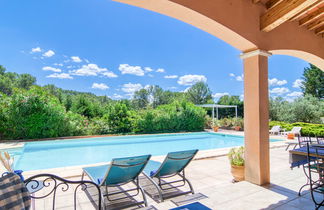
(63, 153)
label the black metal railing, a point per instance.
(51, 184)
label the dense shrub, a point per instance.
(177, 116)
(308, 129)
(32, 114)
(120, 119)
(77, 125)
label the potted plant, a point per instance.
(216, 125)
(238, 124)
(290, 136)
(236, 158)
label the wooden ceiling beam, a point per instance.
(311, 7)
(311, 17)
(320, 30)
(316, 24)
(283, 12)
(271, 3)
(256, 1)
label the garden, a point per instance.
(30, 111)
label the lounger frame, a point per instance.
(181, 173)
(135, 181)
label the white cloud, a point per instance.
(76, 59)
(109, 74)
(171, 76)
(60, 76)
(35, 50)
(147, 87)
(276, 82)
(127, 69)
(239, 78)
(148, 69)
(295, 94)
(218, 95)
(93, 70)
(298, 83)
(86, 60)
(185, 90)
(190, 79)
(58, 64)
(48, 68)
(150, 75)
(130, 88)
(49, 53)
(100, 86)
(160, 70)
(116, 96)
(279, 91)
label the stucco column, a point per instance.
(256, 117)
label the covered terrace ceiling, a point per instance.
(308, 14)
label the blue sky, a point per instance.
(113, 49)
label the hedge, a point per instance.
(308, 129)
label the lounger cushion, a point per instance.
(97, 173)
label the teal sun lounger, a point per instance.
(121, 171)
(174, 164)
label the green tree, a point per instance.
(230, 100)
(303, 109)
(313, 82)
(141, 99)
(199, 93)
(279, 109)
(82, 105)
(2, 70)
(6, 84)
(157, 95)
(25, 81)
(307, 109)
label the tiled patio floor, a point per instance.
(212, 178)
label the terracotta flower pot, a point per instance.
(237, 128)
(215, 128)
(290, 136)
(237, 173)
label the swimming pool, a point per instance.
(63, 153)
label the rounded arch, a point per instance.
(313, 59)
(196, 19)
(242, 30)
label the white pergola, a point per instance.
(217, 106)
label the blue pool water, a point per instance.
(62, 153)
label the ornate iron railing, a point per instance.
(53, 183)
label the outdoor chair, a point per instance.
(302, 141)
(294, 130)
(174, 164)
(320, 139)
(275, 130)
(315, 155)
(121, 171)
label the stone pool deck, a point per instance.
(211, 177)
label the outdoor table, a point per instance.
(298, 157)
